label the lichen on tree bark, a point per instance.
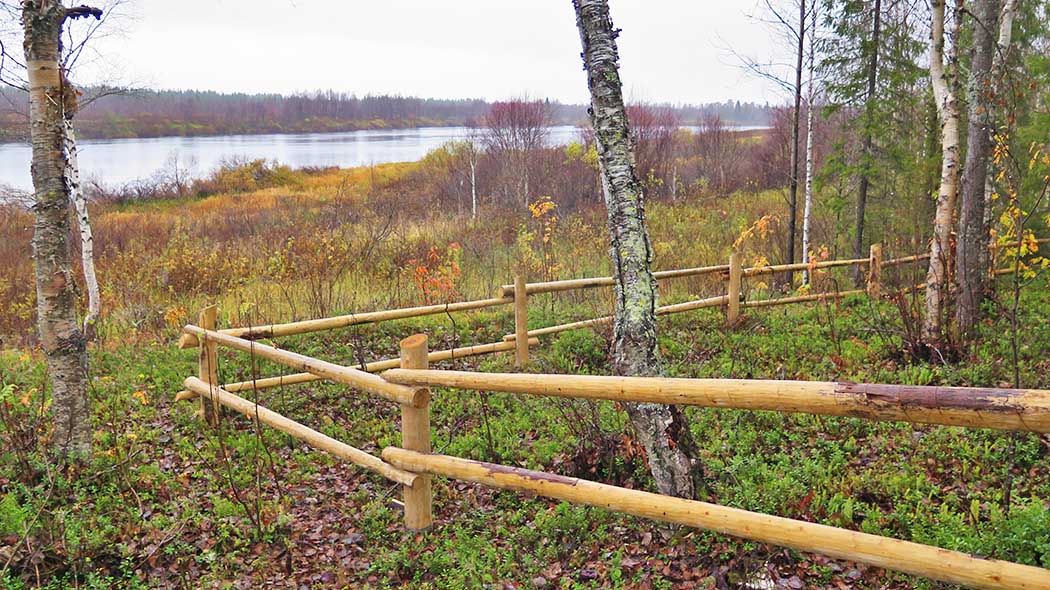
(662, 430)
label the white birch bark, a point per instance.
(942, 80)
(473, 184)
(87, 248)
(810, 96)
(60, 335)
(1005, 39)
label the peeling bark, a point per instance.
(662, 430)
(970, 277)
(60, 336)
(942, 80)
(87, 242)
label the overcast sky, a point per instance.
(671, 50)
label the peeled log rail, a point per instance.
(904, 260)
(765, 270)
(1004, 409)
(592, 282)
(562, 328)
(306, 326)
(664, 310)
(304, 433)
(346, 375)
(894, 554)
(372, 367)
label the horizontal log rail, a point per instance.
(316, 325)
(298, 431)
(593, 282)
(905, 260)
(372, 367)
(660, 311)
(346, 375)
(764, 270)
(980, 407)
(506, 297)
(904, 556)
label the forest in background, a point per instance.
(114, 113)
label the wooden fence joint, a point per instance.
(733, 289)
(415, 435)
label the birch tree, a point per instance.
(662, 430)
(793, 31)
(811, 95)
(52, 100)
(795, 120)
(999, 66)
(969, 274)
(87, 241)
(942, 79)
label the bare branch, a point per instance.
(83, 11)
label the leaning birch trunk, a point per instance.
(87, 244)
(60, 335)
(662, 430)
(999, 63)
(810, 96)
(948, 113)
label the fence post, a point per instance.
(875, 271)
(521, 321)
(736, 273)
(208, 364)
(415, 435)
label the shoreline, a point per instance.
(86, 136)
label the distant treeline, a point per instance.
(191, 112)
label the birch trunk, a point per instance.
(941, 78)
(662, 430)
(788, 278)
(866, 144)
(999, 63)
(60, 336)
(473, 186)
(811, 95)
(87, 243)
(970, 277)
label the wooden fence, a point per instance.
(408, 379)
(517, 294)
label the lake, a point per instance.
(118, 161)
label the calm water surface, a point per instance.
(118, 161)
(115, 162)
